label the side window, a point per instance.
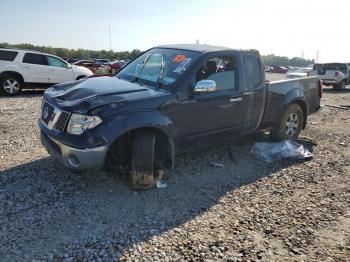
(252, 71)
(7, 55)
(37, 59)
(219, 69)
(55, 62)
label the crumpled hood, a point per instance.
(86, 94)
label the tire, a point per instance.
(142, 162)
(80, 77)
(341, 85)
(10, 85)
(290, 124)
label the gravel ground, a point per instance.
(245, 211)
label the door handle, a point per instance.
(232, 100)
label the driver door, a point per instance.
(215, 115)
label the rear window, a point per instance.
(252, 70)
(7, 55)
(36, 59)
(335, 66)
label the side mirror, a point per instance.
(204, 86)
(69, 66)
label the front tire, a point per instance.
(290, 125)
(10, 85)
(142, 163)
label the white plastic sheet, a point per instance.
(271, 152)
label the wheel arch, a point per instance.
(80, 77)
(166, 142)
(13, 73)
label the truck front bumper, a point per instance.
(77, 159)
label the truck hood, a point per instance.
(84, 95)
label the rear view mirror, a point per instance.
(205, 86)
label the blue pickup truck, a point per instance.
(168, 99)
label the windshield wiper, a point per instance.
(160, 77)
(136, 78)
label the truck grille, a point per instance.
(47, 112)
(54, 118)
(62, 121)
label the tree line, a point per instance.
(77, 53)
(270, 60)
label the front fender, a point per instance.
(127, 122)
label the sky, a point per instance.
(290, 28)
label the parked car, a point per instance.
(279, 70)
(169, 99)
(94, 67)
(20, 69)
(333, 74)
(116, 65)
(101, 61)
(298, 72)
(268, 69)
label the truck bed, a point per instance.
(304, 91)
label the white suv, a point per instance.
(21, 69)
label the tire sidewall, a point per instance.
(280, 133)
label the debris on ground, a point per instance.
(338, 107)
(216, 164)
(159, 184)
(272, 152)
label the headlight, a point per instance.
(78, 124)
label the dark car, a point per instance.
(169, 99)
(279, 70)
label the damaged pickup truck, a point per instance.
(168, 99)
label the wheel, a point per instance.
(290, 125)
(341, 85)
(10, 85)
(142, 162)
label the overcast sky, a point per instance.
(290, 28)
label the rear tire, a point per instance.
(290, 124)
(341, 85)
(10, 85)
(142, 163)
(81, 77)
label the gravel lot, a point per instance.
(245, 211)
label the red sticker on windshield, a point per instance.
(179, 58)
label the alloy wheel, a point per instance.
(11, 86)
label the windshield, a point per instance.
(158, 67)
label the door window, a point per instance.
(219, 69)
(37, 59)
(55, 62)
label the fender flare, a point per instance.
(295, 96)
(132, 121)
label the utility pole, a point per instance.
(110, 42)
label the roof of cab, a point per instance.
(196, 48)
